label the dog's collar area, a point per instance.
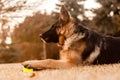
(75, 37)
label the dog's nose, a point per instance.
(40, 35)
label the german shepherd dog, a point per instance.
(80, 46)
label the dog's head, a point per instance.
(57, 33)
(62, 29)
(50, 35)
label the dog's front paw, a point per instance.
(27, 65)
(34, 64)
(30, 64)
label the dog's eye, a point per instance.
(59, 25)
(79, 29)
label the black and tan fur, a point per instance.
(80, 46)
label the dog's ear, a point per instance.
(64, 14)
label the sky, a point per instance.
(32, 6)
(89, 4)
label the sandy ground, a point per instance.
(104, 72)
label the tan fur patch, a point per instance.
(72, 39)
(73, 54)
(65, 31)
(61, 40)
(93, 56)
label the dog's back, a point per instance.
(110, 50)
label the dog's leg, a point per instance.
(48, 64)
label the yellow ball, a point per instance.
(27, 70)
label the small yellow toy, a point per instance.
(27, 70)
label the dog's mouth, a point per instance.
(60, 41)
(43, 40)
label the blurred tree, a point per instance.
(9, 10)
(108, 16)
(17, 5)
(75, 7)
(9, 55)
(30, 29)
(4, 19)
(107, 19)
(27, 35)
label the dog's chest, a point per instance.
(74, 41)
(72, 51)
(75, 44)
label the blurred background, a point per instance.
(21, 22)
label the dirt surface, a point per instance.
(104, 72)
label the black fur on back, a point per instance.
(109, 46)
